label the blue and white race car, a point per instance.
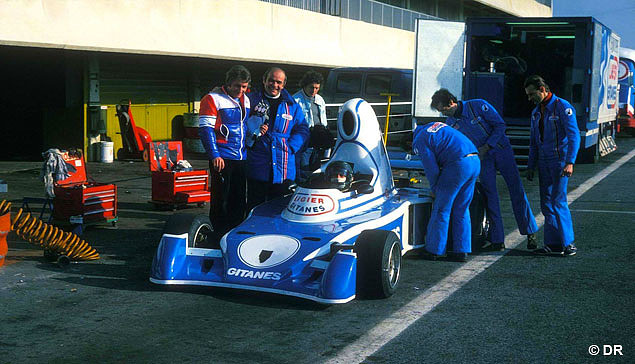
(329, 241)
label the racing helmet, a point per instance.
(339, 174)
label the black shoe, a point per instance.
(570, 250)
(486, 245)
(547, 250)
(532, 242)
(498, 247)
(458, 257)
(429, 256)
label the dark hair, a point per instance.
(237, 72)
(272, 70)
(311, 77)
(537, 82)
(443, 97)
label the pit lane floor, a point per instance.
(521, 308)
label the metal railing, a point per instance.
(365, 10)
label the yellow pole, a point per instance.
(387, 114)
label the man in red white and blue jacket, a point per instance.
(281, 132)
(222, 130)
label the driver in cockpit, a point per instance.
(339, 174)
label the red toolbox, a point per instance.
(79, 201)
(172, 187)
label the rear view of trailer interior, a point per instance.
(578, 57)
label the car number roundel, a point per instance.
(266, 251)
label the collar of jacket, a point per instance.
(258, 95)
(548, 100)
(241, 98)
(459, 109)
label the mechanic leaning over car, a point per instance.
(482, 124)
(451, 164)
(222, 130)
(277, 130)
(553, 147)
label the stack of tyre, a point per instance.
(191, 140)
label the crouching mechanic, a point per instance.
(222, 130)
(480, 122)
(451, 164)
(553, 147)
(271, 158)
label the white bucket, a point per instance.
(107, 152)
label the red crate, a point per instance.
(78, 200)
(172, 187)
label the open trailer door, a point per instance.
(439, 62)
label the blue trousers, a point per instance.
(454, 192)
(503, 161)
(553, 203)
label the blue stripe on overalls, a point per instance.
(501, 158)
(455, 189)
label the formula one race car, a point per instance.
(339, 235)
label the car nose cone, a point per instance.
(265, 251)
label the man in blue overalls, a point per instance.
(450, 162)
(480, 122)
(553, 147)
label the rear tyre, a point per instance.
(478, 218)
(378, 263)
(200, 233)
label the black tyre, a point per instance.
(63, 261)
(478, 218)
(50, 256)
(589, 155)
(378, 263)
(198, 227)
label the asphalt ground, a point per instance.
(521, 308)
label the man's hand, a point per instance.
(530, 174)
(218, 164)
(568, 170)
(482, 150)
(263, 129)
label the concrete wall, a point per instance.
(236, 29)
(528, 8)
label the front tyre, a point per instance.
(200, 233)
(378, 263)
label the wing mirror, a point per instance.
(364, 189)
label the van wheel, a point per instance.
(378, 263)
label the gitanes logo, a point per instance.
(246, 273)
